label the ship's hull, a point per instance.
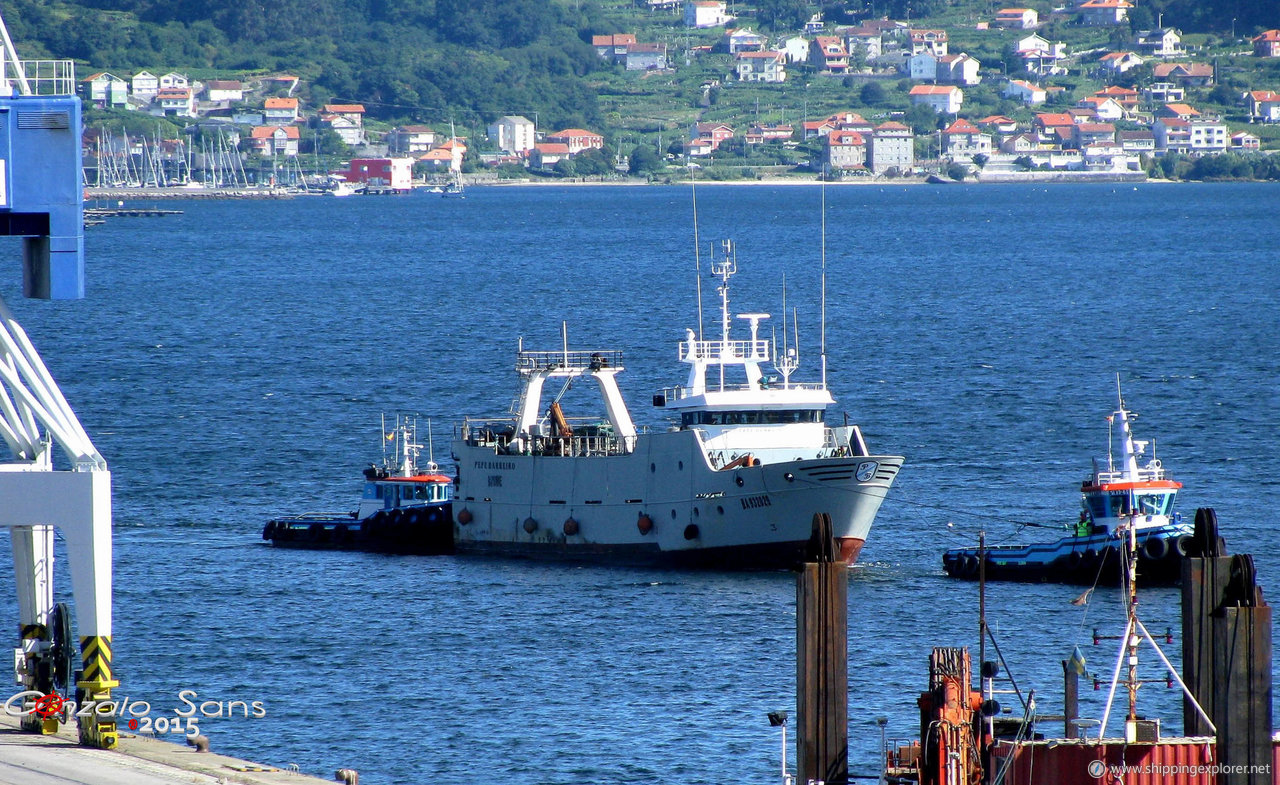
(662, 504)
(1083, 560)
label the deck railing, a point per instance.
(43, 77)
(735, 351)
(529, 362)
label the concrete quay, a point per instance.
(31, 759)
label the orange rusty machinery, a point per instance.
(950, 722)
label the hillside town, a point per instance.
(1121, 128)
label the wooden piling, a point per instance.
(822, 670)
(1226, 655)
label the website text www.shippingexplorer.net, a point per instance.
(1100, 770)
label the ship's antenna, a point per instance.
(824, 277)
(697, 244)
(564, 341)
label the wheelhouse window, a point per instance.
(759, 417)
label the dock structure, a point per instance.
(57, 759)
(822, 667)
(1226, 654)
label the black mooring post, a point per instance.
(1226, 655)
(822, 667)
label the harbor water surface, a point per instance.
(232, 364)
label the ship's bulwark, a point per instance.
(755, 517)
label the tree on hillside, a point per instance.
(644, 160)
(922, 118)
(873, 94)
(782, 15)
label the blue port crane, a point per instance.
(53, 478)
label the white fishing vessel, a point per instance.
(733, 483)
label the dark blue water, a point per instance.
(232, 364)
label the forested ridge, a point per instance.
(437, 60)
(405, 59)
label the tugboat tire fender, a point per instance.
(1155, 548)
(1182, 545)
(269, 531)
(970, 565)
(341, 532)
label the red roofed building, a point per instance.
(613, 47)
(828, 53)
(962, 140)
(548, 154)
(1185, 74)
(1017, 18)
(1264, 106)
(280, 111)
(275, 140)
(1267, 44)
(577, 140)
(1120, 62)
(945, 99)
(1104, 12)
(710, 134)
(892, 147)
(846, 150)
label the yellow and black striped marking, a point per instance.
(96, 653)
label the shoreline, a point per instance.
(1021, 178)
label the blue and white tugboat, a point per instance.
(1124, 501)
(403, 509)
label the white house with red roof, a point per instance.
(1104, 12)
(761, 66)
(1173, 135)
(760, 134)
(1024, 91)
(577, 140)
(545, 155)
(1264, 106)
(280, 111)
(962, 140)
(1103, 107)
(1120, 62)
(891, 146)
(1267, 44)
(812, 129)
(945, 99)
(706, 13)
(275, 140)
(174, 102)
(613, 47)
(1017, 18)
(1245, 142)
(828, 53)
(934, 41)
(846, 150)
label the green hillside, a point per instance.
(470, 61)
